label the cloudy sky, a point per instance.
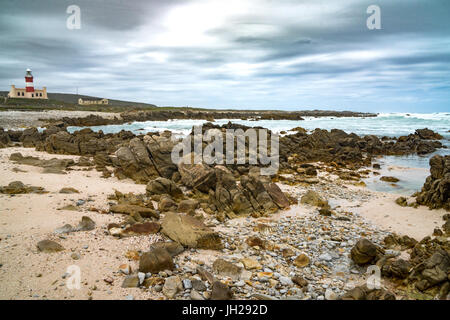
(271, 54)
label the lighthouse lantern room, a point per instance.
(29, 92)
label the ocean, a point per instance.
(412, 170)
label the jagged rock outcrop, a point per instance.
(435, 192)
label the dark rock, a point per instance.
(363, 252)
(156, 260)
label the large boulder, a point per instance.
(435, 192)
(190, 232)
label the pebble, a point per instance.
(187, 284)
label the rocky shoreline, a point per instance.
(225, 231)
(164, 115)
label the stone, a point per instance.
(167, 204)
(141, 277)
(145, 228)
(86, 224)
(300, 281)
(220, 291)
(49, 246)
(285, 281)
(163, 186)
(187, 284)
(301, 261)
(251, 264)
(130, 281)
(173, 248)
(133, 209)
(195, 295)
(67, 228)
(330, 294)
(156, 260)
(226, 269)
(363, 252)
(401, 201)
(187, 206)
(312, 198)
(172, 286)
(389, 179)
(190, 232)
(125, 269)
(68, 190)
(363, 293)
(198, 285)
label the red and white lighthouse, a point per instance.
(29, 81)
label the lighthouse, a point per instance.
(29, 81)
(28, 92)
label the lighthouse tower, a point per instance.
(29, 81)
(29, 92)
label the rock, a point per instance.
(163, 186)
(285, 281)
(402, 201)
(397, 268)
(301, 261)
(199, 176)
(226, 269)
(389, 179)
(75, 256)
(196, 296)
(198, 285)
(156, 260)
(446, 228)
(187, 284)
(187, 206)
(190, 232)
(86, 224)
(131, 281)
(220, 291)
(49, 246)
(167, 204)
(300, 281)
(435, 270)
(17, 187)
(436, 189)
(205, 275)
(251, 264)
(330, 294)
(427, 134)
(141, 277)
(172, 286)
(312, 198)
(363, 252)
(68, 190)
(277, 195)
(145, 228)
(133, 209)
(125, 269)
(363, 293)
(173, 248)
(67, 228)
(256, 242)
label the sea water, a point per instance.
(411, 170)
